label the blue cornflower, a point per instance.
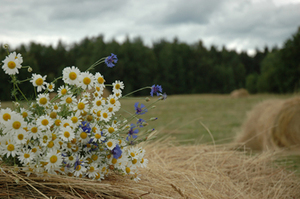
(117, 152)
(77, 163)
(110, 60)
(163, 96)
(155, 89)
(140, 123)
(131, 132)
(140, 110)
(85, 127)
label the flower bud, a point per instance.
(147, 99)
(6, 46)
(29, 69)
(153, 118)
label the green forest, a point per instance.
(179, 67)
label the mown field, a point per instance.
(188, 118)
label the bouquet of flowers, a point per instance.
(76, 133)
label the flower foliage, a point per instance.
(76, 133)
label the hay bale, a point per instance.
(272, 124)
(200, 171)
(239, 93)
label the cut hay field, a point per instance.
(189, 117)
(188, 166)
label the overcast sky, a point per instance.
(237, 24)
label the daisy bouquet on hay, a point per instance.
(70, 135)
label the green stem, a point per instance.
(21, 92)
(135, 91)
(96, 63)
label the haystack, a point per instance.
(239, 93)
(272, 124)
(173, 172)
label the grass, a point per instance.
(188, 118)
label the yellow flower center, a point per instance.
(50, 144)
(72, 75)
(45, 122)
(86, 80)
(81, 106)
(92, 169)
(11, 64)
(54, 136)
(132, 154)
(112, 101)
(71, 158)
(16, 125)
(67, 134)
(117, 94)
(11, 147)
(110, 109)
(97, 176)
(100, 80)
(74, 119)
(50, 86)
(105, 115)
(127, 170)
(111, 129)
(97, 136)
(114, 161)
(142, 161)
(20, 136)
(39, 81)
(6, 116)
(66, 124)
(134, 161)
(89, 118)
(34, 129)
(24, 114)
(117, 86)
(53, 159)
(43, 100)
(57, 122)
(34, 150)
(78, 167)
(83, 135)
(63, 91)
(69, 100)
(109, 144)
(26, 155)
(55, 107)
(94, 157)
(53, 115)
(98, 103)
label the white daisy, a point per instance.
(66, 134)
(71, 75)
(111, 144)
(87, 80)
(43, 99)
(118, 85)
(55, 107)
(76, 119)
(69, 100)
(34, 131)
(82, 106)
(26, 113)
(44, 122)
(38, 81)
(53, 160)
(105, 115)
(5, 115)
(63, 90)
(25, 156)
(100, 80)
(11, 64)
(15, 124)
(50, 86)
(10, 148)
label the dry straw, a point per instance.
(239, 93)
(202, 171)
(272, 124)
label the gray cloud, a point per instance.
(243, 25)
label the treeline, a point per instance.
(180, 68)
